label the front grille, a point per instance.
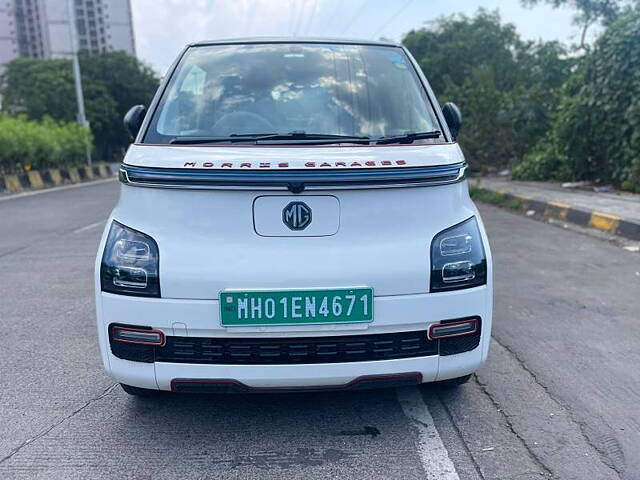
(291, 351)
(133, 352)
(338, 349)
(454, 345)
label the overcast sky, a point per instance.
(163, 27)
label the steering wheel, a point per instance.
(242, 123)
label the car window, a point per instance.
(224, 90)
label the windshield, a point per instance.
(284, 89)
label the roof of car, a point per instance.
(240, 41)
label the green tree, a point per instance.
(589, 13)
(595, 133)
(506, 87)
(452, 47)
(128, 82)
(112, 83)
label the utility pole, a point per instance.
(82, 119)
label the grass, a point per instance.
(495, 198)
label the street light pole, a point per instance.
(82, 119)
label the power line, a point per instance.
(335, 11)
(249, 16)
(311, 17)
(292, 17)
(303, 3)
(391, 19)
(353, 17)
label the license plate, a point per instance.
(295, 307)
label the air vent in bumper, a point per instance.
(292, 351)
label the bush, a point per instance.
(25, 143)
(544, 163)
(595, 133)
(495, 198)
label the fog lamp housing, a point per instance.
(450, 329)
(138, 336)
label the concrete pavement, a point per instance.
(623, 204)
(617, 213)
(557, 399)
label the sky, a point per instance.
(163, 27)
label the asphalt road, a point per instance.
(559, 397)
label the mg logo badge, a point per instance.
(296, 215)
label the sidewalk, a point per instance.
(616, 213)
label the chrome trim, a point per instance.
(295, 181)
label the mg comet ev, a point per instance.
(293, 215)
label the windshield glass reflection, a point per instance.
(353, 90)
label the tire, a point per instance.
(140, 392)
(454, 382)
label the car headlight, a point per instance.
(130, 263)
(457, 258)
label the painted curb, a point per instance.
(34, 179)
(12, 183)
(604, 222)
(52, 177)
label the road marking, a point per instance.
(55, 189)
(88, 227)
(433, 454)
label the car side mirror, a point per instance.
(133, 119)
(453, 118)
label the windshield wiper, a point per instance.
(409, 137)
(296, 136)
(312, 138)
(201, 140)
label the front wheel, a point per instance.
(139, 392)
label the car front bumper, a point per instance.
(199, 319)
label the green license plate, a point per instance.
(295, 307)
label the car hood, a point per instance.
(250, 157)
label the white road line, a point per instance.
(434, 455)
(88, 227)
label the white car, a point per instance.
(293, 215)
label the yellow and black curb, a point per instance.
(542, 209)
(52, 177)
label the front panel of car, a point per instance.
(211, 241)
(257, 254)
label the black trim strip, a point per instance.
(292, 40)
(225, 385)
(293, 180)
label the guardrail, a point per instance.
(53, 177)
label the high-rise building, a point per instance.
(8, 37)
(40, 28)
